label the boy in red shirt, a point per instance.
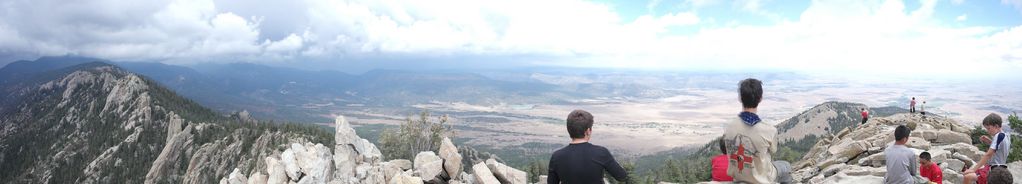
(719, 164)
(929, 169)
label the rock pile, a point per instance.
(357, 161)
(856, 154)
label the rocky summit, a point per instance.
(856, 153)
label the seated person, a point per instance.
(929, 169)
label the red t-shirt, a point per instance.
(720, 169)
(865, 114)
(932, 172)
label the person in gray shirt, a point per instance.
(996, 158)
(902, 165)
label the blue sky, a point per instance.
(964, 37)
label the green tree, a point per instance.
(1016, 142)
(537, 168)
(414, 136)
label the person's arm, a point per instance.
(982, 161)
(614, 168)
(551, 175)
(985, 158)
(773, 141)
(913, 168)
(938, 174)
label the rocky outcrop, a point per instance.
(856, 155)
(506, 174)
(428, 165)
(355, 160)
(452, 159)
(483, 175)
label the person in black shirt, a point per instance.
(581, 162)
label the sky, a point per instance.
(889, 37)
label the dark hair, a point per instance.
(723, 148)
(901, 132)
(925, 156)
(751, 91)
(578, 122)
(992, 120)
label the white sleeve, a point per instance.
(997, 141)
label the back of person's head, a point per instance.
(925, 156)
(992, 120)
(723, 147)
(578, 122)
(902, 132)
(913, 98)
(751, 91)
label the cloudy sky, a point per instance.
(968, 37)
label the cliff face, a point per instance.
(96, 123)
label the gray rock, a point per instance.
(368, 151)
(428, 165)
(507, 174)
(275, 171)
(848, 149)
(344, 133)
(375, 174)
(402, 163)
(918, 143)
(287, 158)
(236, 177)
(390, 170)
(163, 166)
(314, 161)
(483, 175)
(345, 155)
(467, 178)
(405, 179)
(452, 159)
(257, 178)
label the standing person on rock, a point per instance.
(902, 166)
(865, 116)
(992, 167)
(581, 162)
(922, 109)
(912, 106)
(750, 141)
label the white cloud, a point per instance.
(1015, 3)
(290, 43)
(874, 35)
(962, 17)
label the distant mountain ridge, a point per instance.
(96, 123)
(828, 118)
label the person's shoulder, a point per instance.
(599, 148)
(559, 152)
(763, 126)
(1001, 136)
